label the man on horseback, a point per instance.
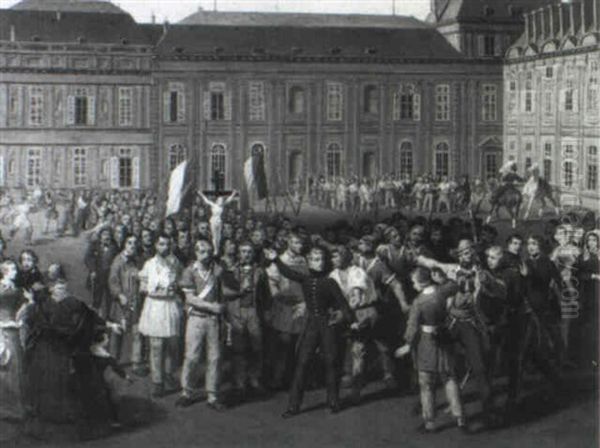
(508, 180)
(507, 194)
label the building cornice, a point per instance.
(69, 71)
(322, 59)
(554, 54)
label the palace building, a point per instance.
(551, 98)
(91, 99)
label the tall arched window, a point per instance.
(406, 160)
(442, 159)
(176, 155)
(218, 166)
(333, 160)
(296, 100)
(371, 100)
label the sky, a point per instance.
(175, 10)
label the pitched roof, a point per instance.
(69, 27)
(272, 41)
(90, 6)
(227, 18)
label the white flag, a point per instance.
(176, 186)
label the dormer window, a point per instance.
(81, 39)
(371, 50)
(124, 41)
(36, 38)
(488, 11)
(335, 50)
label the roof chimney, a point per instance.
(153, 18)
(582, 7)
(526, 17)
(58, 16)
(13, 33)
(534, 20)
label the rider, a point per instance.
(508, 179)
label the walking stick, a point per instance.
(465, 380)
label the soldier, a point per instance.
(321, 294)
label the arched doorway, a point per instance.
(295, 168)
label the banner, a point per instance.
(254, 173)
(177, 188)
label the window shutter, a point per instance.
(114, 172)
(166, 106)
(481, 45)
(575, 100)
(562, 100)
(417, 107)
(91, 110)
(136, 172)
(70, 116)
(181, 106)
(3, 105)
(396, 106)
(207, 105)
(227, 105)
(2, 171)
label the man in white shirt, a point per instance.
(161, 315)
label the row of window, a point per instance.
(569, 164)
(406, 102)
(569, 92)
(80, 107)
(334, 159)
(123, 169)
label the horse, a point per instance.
(511, 199)
(538, 188)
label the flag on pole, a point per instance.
(254, 173)
(179, 184)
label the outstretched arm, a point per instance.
(231, 197)
(206, 200)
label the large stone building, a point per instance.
(89, 98)
(551, 97)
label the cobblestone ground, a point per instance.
(381, 421)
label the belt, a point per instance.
(429, 329)
(157, 297)
(196, 313)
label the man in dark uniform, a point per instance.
(321, 294)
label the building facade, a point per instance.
(75, 95)
(551, 97)
(91, 99)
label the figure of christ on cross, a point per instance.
(216, 215)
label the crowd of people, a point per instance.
(254, 300)
(426, 193)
